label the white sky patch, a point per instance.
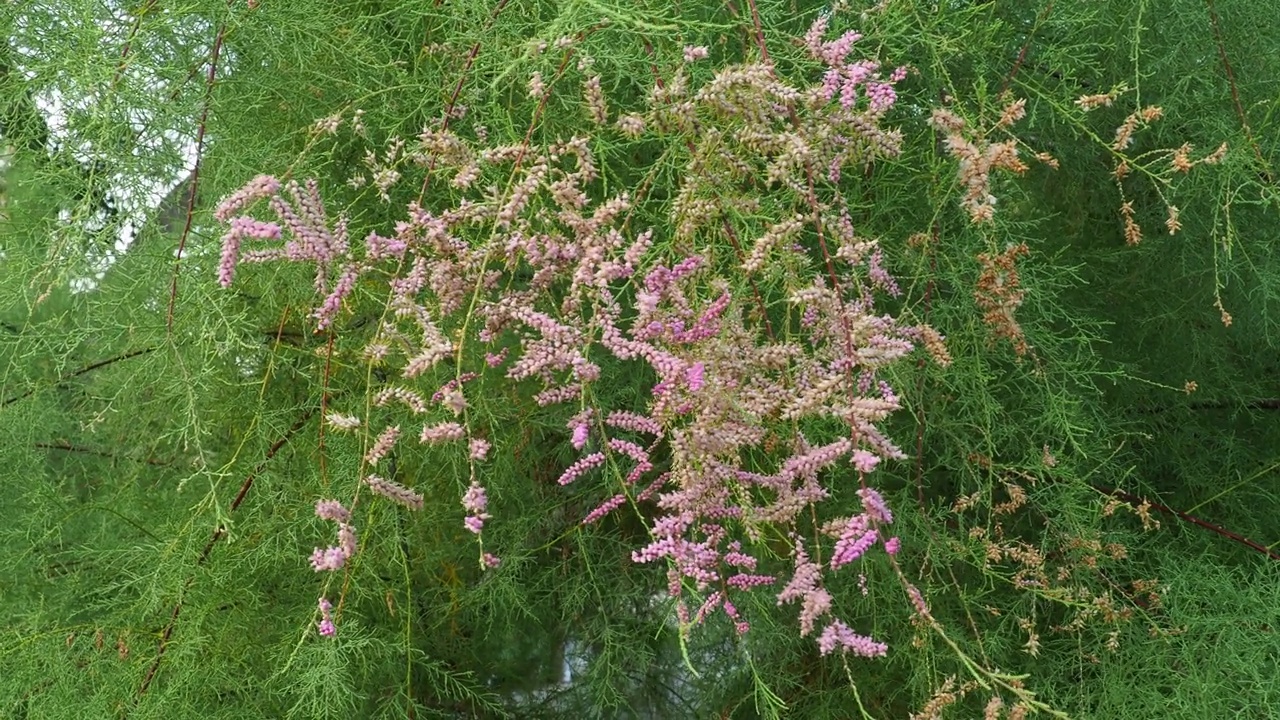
(135, 196)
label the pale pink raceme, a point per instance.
(838, 636)
(386, 440)
(394, 491)
(332, 510)
(442, 432)
(257, 188)
(474, 501)
(325, 626)
(855, 540)
(875, 505)
(582, 465)
(605, 508)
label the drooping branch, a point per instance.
(1136, 501)
(218, 534)
(62, 382)
(68, 447)
(195, 172)
(1264, 167)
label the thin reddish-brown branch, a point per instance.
(1235, 91)
(68, 447)
(1026, 46)
(128, 43)
(62, 382)
(1136, 501)
(457, 91)
(195, 175)
(759, 30)
(218, 534)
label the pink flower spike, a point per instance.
(864, 461)
(475, 499)
(580, 433)
(604, 508)
(332, 510)
(383, 444)
(694, 376)
(257, 188)
(395, 492)
(853, 543)
(838, 636)
(325, 626)
(442, 432)
(584, 464)
(875, 505)
(331, 558)
(892, 545)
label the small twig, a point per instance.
(62, 382)
(759, 29)
(457, 91)
(1136, 501)
(1026, 46)
(68, 447)
(195, 174)
(128, 43)
(1235, 92)
(218, 534)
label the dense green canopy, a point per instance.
(1031, 244)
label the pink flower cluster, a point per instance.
(838, 636)
(394, 492)
(325, 626)
(565, 291)
(846, 77)
(474, 501)
(334, 557)
(312, 239)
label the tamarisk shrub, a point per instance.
(761, 360)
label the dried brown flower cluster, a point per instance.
(999, 294)
(1063, 572)
(934, 344)
(978, 157)
(950, 693)
(1141, 118)
(1179, 159)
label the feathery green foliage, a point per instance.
(165, 443)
